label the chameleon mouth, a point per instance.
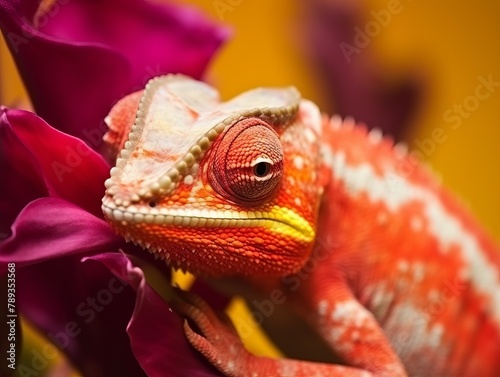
(277, 219)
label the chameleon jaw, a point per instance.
(217, 242)
(277, 219)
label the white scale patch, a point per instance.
(435, 335)
(311, 117)
(413, 332)
(349, 311)
(286, 368)
(310, 136)
(446, 229)
(298, 162)
(322, 307)
(194, 190)
(375, 135)
(347, 316)
(382, 298)
(231, 365)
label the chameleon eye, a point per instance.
(248, 162)
(262, 167)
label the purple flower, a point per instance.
(86, 55)
(81, 307)
(76, 280)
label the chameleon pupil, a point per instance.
(262, 169)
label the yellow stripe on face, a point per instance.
(291, 224)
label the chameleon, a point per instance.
(363, 241)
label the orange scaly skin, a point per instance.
(386, 265)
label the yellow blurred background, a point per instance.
(451, 42)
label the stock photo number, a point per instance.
(11, 317)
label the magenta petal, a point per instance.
(155, 331)
(22, 180)
(84, 310)
(32, 151)
(71, 86)
(154, 38)
(49, 228)
(86, 55)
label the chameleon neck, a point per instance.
(387, 205)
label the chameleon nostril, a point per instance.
(152, 204)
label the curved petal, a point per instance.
(155, 331)
(37, 160)
(50, 228)
(75, 88)
(84, 310)
(154, 38)
(22, 180)
(100, 51)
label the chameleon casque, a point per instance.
(384, 263)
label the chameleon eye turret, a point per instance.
(247, 162)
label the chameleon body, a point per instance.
(384, 263)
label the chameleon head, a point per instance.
(219, 188)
